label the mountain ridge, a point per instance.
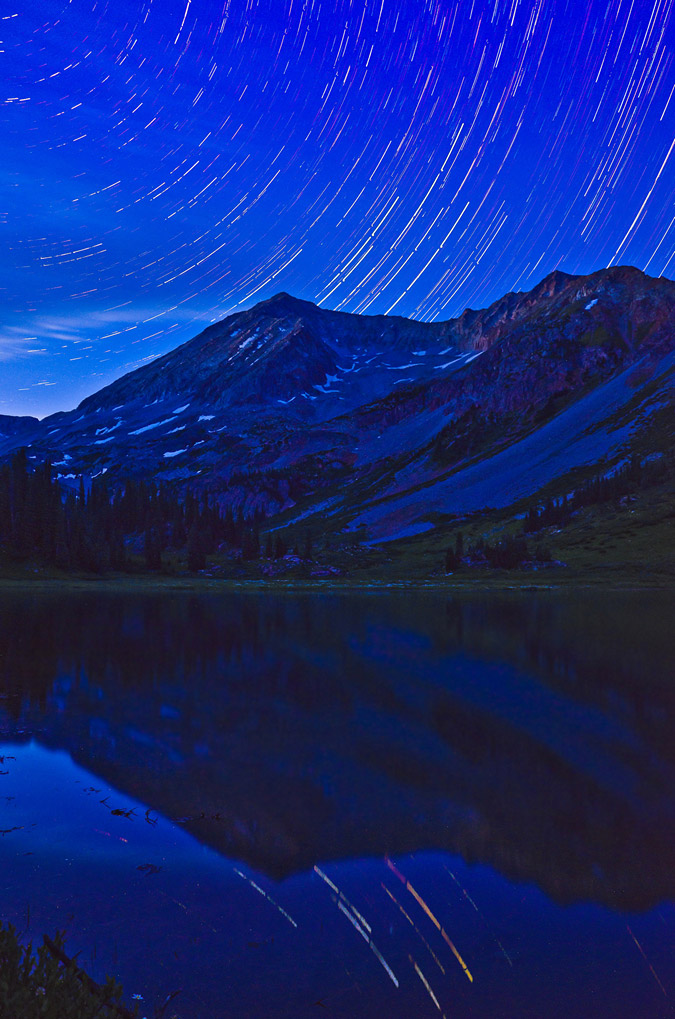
(287, 404)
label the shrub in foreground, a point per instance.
(47, 985)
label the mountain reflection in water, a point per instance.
(528, 732)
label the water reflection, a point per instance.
(532, 733)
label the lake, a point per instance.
(355, 805)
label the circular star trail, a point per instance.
(167, 162)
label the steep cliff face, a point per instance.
(287, 401)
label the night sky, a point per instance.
(166, 163)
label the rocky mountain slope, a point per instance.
(381, 424)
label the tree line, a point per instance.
(513, 550)
(127, 527)
(601, 488)
(508, 553)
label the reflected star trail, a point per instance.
(165, 164)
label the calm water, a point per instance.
(357, 806)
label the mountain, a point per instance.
(378, 423)
(14, 427)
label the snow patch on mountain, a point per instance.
(111, 428)
(155, 424)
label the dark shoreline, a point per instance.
(214, 585)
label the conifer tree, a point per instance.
(195, 550)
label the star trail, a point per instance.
(167, 163)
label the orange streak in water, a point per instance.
(431, 916)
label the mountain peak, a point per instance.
(553, 283)
(284, 303)
(621, 274)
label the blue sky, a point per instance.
(165, 164)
